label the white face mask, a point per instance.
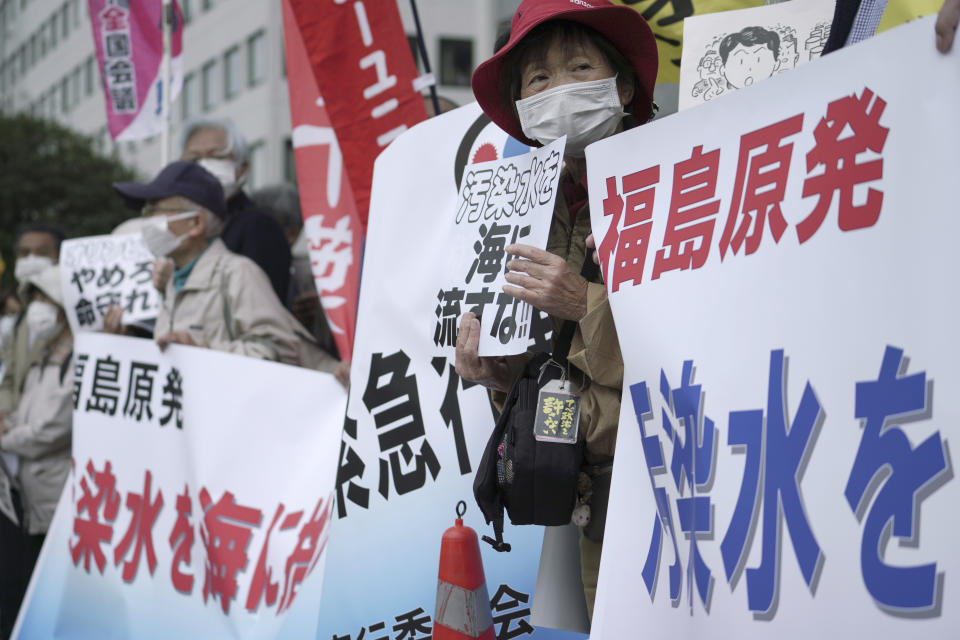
(30, 265)
(583, 111)
(225, 171)
(158, 237)
(42, 320)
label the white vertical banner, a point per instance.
(415, 431)
(781, 282)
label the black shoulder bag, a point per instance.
(534, 480)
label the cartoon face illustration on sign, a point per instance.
(750, 55)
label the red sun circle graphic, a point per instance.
(485, 153)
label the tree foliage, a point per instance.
(51, 174)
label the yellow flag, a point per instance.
(900, 11)
(666, 17)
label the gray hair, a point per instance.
(236, 143)
(214, 224)
(283, 201)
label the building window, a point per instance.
(65, 94)
(414, 51)
(88, 71)
(65, 20)
(456, 62)
(54, 29)
(209, 81)
(206, 5)
(186, 8)
(255, 53)
(75, 86)
(232, 72)
(76, 11)
(188, 97)
(289, 163)
(33, 51)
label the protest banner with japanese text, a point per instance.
(501, 202)
(99, 272)
(331, 224)
(780, 266)
(129, 45)
(199, 501)
(365, 71)
(415, 431)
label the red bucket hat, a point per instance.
(624, 27)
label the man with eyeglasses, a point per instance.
(216, 298)
(217, 145)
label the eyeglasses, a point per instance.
(194, 156)
(151, 210)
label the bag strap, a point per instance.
(562, 346)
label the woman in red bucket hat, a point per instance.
(585, 69)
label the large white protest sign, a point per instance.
(99, 272)
(730, 50)
(200, 498)
(782, 284)
(501, 202)
(415, 431)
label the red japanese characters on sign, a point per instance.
(834, 167)
(226, 529)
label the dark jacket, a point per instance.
(254, 233)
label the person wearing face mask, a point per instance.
(35, 439)
(215, 298)
(218, 146)
(37, 248)
(586, 70)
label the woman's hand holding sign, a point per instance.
(491, 372)
(545, 281)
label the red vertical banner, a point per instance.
(333, 228)
(363, 66)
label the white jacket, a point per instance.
(228, 304)
(40, 433)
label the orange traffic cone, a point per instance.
(463, 606)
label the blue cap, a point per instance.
(180, 178)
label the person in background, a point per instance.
(856, 20)
(10, 309)
(12, 542)
(35, 439)
(218, 146)
(37, 248)
(446, 104)
(215, 298)
(283, 202)
(587, 71)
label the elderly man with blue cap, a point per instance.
(215, 299)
